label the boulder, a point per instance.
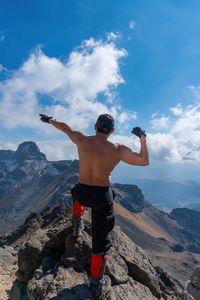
(31, 255)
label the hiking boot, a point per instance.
(78, 226)
(100, 287)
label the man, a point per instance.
(97, 158)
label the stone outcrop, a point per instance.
(192, 289)
(8, 267)
(130, 197)
(54, 265)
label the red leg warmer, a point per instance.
(98, 265)
(78, 210)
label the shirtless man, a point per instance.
(97, 158)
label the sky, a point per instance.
(137, 60)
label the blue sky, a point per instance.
(139, 60)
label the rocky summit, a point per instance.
(54, 265)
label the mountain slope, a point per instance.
(167, 243)
(31, 183)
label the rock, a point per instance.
(58, 241)
(130, 197)
(132, 290)
(195, 277)
(8, 256)
(55, 265)
(48, 263)
(191, 292)
(139, 266)
(30, 256)
(187, 296)
(116, 268)
(8, 267)
(29, 151)
(192, 289)
(18, 291)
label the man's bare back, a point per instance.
(97, 159)
(98, 156)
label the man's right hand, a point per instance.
(138, 132)
(45, 118)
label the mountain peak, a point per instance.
(29, 150)
(28, 147)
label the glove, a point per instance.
(45, 118)
(138, 132)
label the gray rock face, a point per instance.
(195, 278)
(130, 197)
(8, 256)
(8, 266)
(54, 265)
(131, 290)
(192, 289)
(29, 151)
(30, 256)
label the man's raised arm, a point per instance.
(130, 157)
(73, 134)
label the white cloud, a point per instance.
(154, 115)
(8, 145)
(132, 24)
(181, 143)
(58, 149)
(72, 87)
(126, 117)
(1, 68)
(195, 90)
(2, 37)
(160, 123)
(113, 36)
(71, 90)
(177, 110)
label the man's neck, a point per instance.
(102, 135)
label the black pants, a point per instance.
(100, 200)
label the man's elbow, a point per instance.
(146, 163)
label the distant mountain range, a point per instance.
(30, 183)
(166, 194)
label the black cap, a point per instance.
(105, 123)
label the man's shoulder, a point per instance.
(114, 145)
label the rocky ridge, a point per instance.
(52, 265)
